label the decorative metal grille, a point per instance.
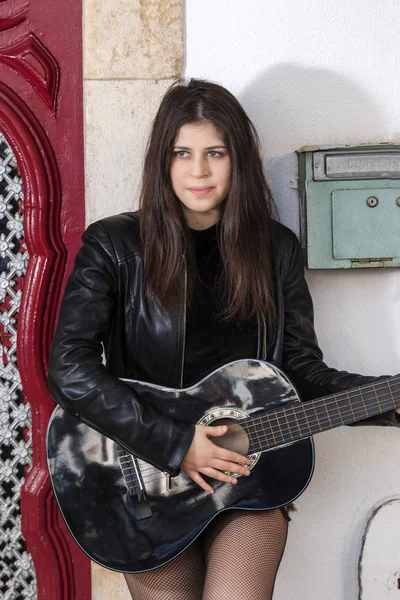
(17, 576)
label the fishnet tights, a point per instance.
(236, 558)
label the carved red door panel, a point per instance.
(41, 220)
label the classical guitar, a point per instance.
(129, 516)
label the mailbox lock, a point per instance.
(372, 201)
(398, 201)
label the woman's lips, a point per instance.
(200, 191)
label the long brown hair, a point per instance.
(246, 232)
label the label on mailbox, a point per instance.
(356, 165)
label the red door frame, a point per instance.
(41, 116)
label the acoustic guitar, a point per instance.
(129, 516)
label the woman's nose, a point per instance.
(200, 166)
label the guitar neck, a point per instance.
(293, 423)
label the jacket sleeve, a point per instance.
(79, 381)
(302, 357)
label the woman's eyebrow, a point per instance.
(207, 148)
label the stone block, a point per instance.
(133, 39)
(107, 584)
(118, 117)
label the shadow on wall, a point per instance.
(291, 107)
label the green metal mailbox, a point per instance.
(350, 206)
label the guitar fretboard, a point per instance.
(291, 424)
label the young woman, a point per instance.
(202, 275)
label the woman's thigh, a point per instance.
(236, 558)
(181, 579)
(243, 550)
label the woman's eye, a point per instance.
(214, 153)
(181, 153)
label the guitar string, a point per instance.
(304, 410)
(314, 423)
(349, 395)
(308, 407)
(333, 398)
(296, 420)
(263, 438)
(311, 407)
(315, 420)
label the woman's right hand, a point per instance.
(209, 459)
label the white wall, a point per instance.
(313, 72)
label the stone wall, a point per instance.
(133, 50)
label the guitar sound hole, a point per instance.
(235, 438)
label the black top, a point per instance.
(211, 341)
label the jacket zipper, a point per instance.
(264, 357)
(184, 320)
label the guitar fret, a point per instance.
(325, 409)
(363, 401)
(377, 399)
(335, 407)
(297, 422)
(346, 408)
(328, 415)
(391, 395)
(316, 414)
(281, 426)
(388, 404)
(368, 398)
(271, 429)
(257, 443)
(306, 416)
(351, 407)
(273, 418)
(289, 428)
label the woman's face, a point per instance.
(200, 173)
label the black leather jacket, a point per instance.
(104, 308)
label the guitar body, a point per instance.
(140, 523)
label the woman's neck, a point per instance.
(200, 221)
